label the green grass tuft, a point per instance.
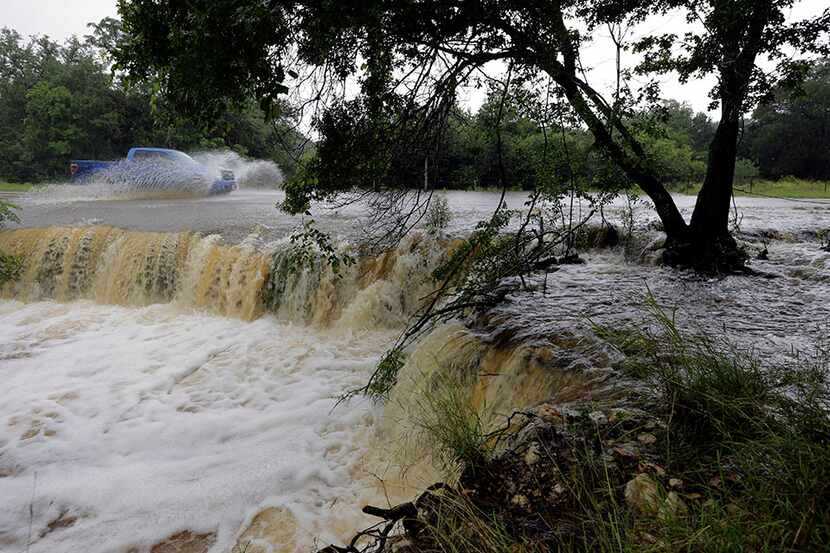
(15, 187)
(747, 437)
(451, 424)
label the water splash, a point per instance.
(125, 180)
(147, 179)
(250, 173)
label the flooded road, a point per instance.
(235, 215)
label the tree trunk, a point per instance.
(710, 244)
(710, 219)
(676, 229)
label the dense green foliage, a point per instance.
(790, 135)
(62, 101)
(534, 158)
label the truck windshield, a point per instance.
(162, 155)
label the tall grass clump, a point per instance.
(458, 526)
(449, 424)
(749, 436)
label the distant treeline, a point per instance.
(789, 136)
(61, 101)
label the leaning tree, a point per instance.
(409, 57)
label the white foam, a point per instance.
(145, 422)
(249, 173)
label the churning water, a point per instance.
(157, 380)
(183, 384)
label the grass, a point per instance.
(747, 438)
(751, 438)
(458, 526)
(788, 187)
(450, 424)
(15, 187)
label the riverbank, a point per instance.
(788, 187)
(687, 442)
(15, 187)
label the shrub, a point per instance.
(438, 216)
(10, 265)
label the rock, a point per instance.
(647, 439)
(532, 455)
(648, 466)
(185, 542)
(272, 529)
(641, 495)
(673, 506)
(520, 501)
(625, 453)
(549, 414)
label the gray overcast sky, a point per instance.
(57, 18)
(62, 18)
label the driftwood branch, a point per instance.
(377, 535)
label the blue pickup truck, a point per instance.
(158, 169)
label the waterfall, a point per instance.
(120, 267)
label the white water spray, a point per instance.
(250, 173)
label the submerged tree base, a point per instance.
(713, 256)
